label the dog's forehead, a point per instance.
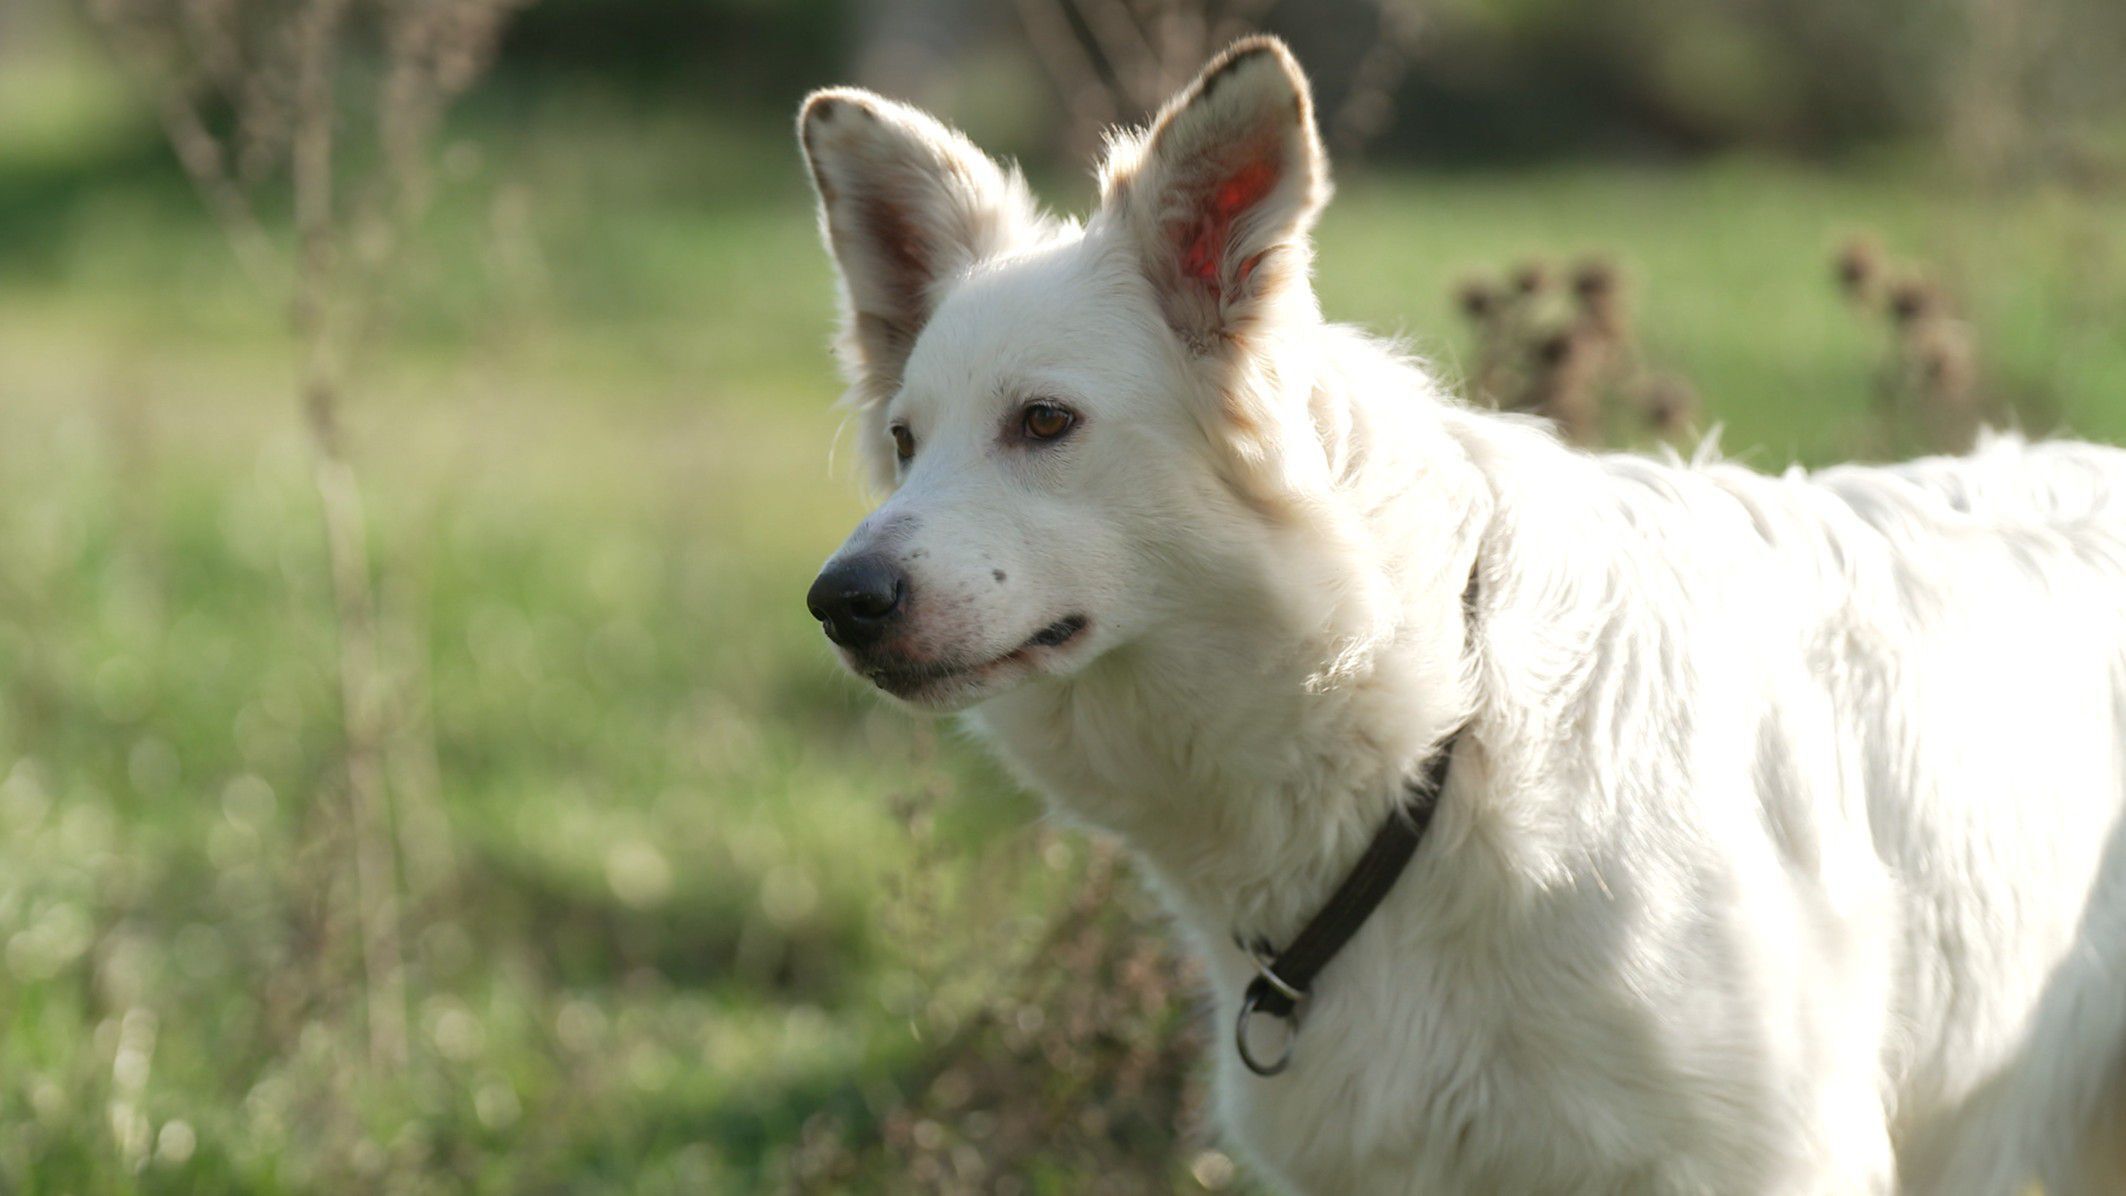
(1062, 309)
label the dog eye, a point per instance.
(1046, 421)
(903, 442)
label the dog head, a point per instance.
(1075, 425)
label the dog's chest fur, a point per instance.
(1476, 1034)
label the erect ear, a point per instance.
(906, 205)
(1220, 193)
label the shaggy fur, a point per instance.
(1784, 850)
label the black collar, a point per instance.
(1282, 980)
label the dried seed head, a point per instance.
(1914, 299)
(1671, 404)
(1531, 278)
(1595, 280)
(1858, 267)
(1555, 350)
(1946, 363)
(1478, 299)
(1598, 292)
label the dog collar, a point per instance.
(1282, 980)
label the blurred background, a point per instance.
(417, 769)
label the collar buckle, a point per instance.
(1265, 969)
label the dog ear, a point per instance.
(1220, 193)
(905, 206)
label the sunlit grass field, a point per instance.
(660, 858)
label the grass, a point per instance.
(697, 893)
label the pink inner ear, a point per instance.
(1206, 238)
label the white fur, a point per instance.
(1784, 851)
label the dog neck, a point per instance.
(1250, 753)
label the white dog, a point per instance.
(1781, 843)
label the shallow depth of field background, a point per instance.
(668, 904)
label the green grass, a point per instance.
(681, 910)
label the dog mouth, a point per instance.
(917, 680)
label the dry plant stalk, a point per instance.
(1929, 380)
(1569, 352)
(1116, 62)
(255, 96)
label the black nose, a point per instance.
(857, 599)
